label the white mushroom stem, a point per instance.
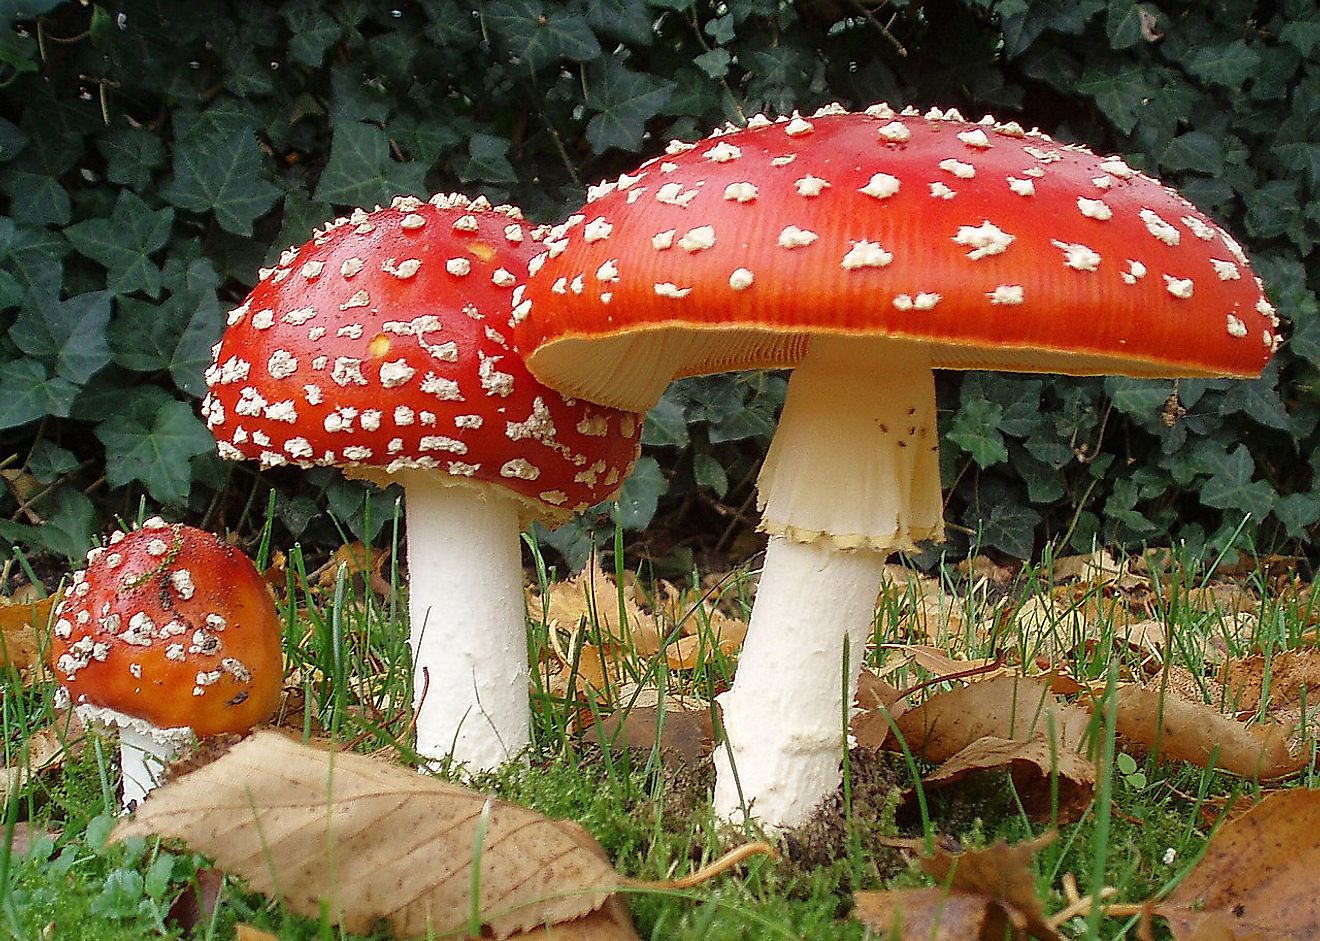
(852, 474)
(468, 629)
(144, 754)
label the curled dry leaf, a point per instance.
(374, 841)
(683, 728)
(20, 621)
(988, 895)
(1097, 568)
(1290, 673)
(592, 598)
(1033, 765)
(611, 922)
(1257, 879)
(1015, 708)
(1199, 734)
(46, 748)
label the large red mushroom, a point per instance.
(382, 346)
(167, 633)
(864, 251)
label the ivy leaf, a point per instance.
(1195, 150)
(665, 424)
(69, 530)
(641, 493)
(539, 38)
(1003, 521)
(124, 243)
(28, 392)
(156, 451)
(1140, 398)
(12, 140)
(623, 100)
(311, 31)
(1120, 93)
(131, 155)
(1258, 398)
(35, 259)
(714, 63)
(360, 171)
(1298, 512)
(1129, 24)
(975, 429)
(1229, 65)
(628, 20)
(1230, 486)
(217, 168)
(488, 160)
(69, 336)
(709, 472)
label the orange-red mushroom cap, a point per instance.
(998, 247)
(170, 626)
(382, 344)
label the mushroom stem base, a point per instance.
(784, 716)
(468, 630)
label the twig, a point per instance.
(704, 874)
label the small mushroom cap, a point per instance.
(382, 344)
(169, 625)
(999, 248)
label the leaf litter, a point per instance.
(372, 841)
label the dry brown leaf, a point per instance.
(932, 915)
(46, 748)
(937, 662)
(374, 841)
(1258, 879)
(611, 922)
(1097, 568)
(591, 597)
(1223, 597)
(1196, 733)
(355, 559)
(1290, 672)
(1015, 708)
(686, 730)
(20, 622)
(1032, 765)
(249, 933)
(986, 893)
(1066, 617)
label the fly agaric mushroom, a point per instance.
(380, 346)
(865, 250)
(167, 633)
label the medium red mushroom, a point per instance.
(382, 346)
(167, 633)
(864, 251)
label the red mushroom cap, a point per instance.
(998, 247)
(169, 625)
(381, 343)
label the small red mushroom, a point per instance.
(381, 346)
(167, 633)
(864, 251)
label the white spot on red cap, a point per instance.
(298, 316)
(1094, 209)
(811, 185)
(348, 371)
(984, 240)
(596, 230)
(895, 132)
(782, 161)
(1179, 287)
(350, 267)
(1118, 168)
(312, 270)
(395, 373)
(740, 192)
(1021, 187)
(723, 152)
(922, 301)
(1163, 230)
(458, 267)
(963, 171)
(1135, 272)
(263, 319)
(663, 240)
(521, 468)
(798, 127)
(881, 186)
(1226, 270)
(741, 279)
(1011, 294)
(412, 221)
(1077, 256)
(1201, 229)
(940, 191)
(282, 364)
(669, 289)
(864, 254)
(697, 239)
(975, 138)
(608, 271)
(360, 299)
(1236, 328)
(673, 194)
(793, 237)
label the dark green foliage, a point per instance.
(153, 155)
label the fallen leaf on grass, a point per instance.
(1199, 734)
(194, 907)
(685, 728)
(1006, 707)
(1289, 674)
(611, 922)
(45, 749)
(986, 895)
(26, 835)
(19, 621)
(592, 598)
(248, 933)
(1033, 766)
(1257, 878)
(374, 841)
